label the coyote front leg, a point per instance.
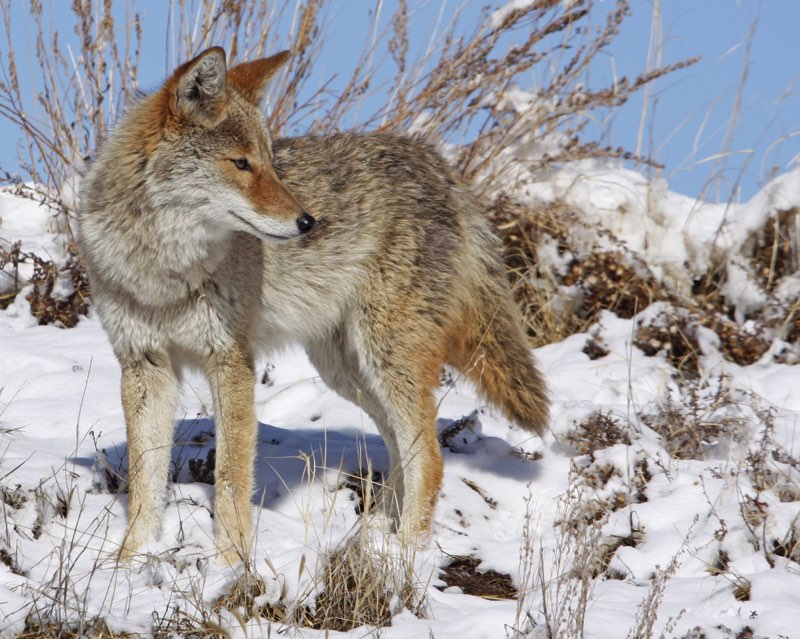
(149, 401)
(232, 379)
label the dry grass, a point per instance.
(356, 589)
(82, 84)
(566, 591)
(556, 586)
(559, 302)
(365, 583)
(647, 612)
(596, 432)
(671, 332)
(439, 81)
(567, 298)
(91, 629)
(549, 315)
(774, 248)
(464, 573)
(706, 422)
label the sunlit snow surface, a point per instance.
(62, 442)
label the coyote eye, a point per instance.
(242, 164)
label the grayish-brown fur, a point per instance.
(400, 275)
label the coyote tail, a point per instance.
(492, 350)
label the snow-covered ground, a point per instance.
(710, 543)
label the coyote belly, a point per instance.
(207, 242)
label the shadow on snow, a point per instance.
(289, 458)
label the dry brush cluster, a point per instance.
(561, 303)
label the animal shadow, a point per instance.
(289, 458)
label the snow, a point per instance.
(675, 235)
(62, 442)
(499, 15)
(35, 227)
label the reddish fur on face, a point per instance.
(268, 194)
(262, 188)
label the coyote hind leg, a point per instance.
(403, 374)
(340, 369)
(412, 420)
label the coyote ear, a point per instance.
(250, 78)
(199, 87)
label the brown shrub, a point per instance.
(774, 248)
(737, 345)
(673, 333)
(46, 305)
(609, 281)
(701, 424)
(537, 290)
(597, 431)
(50, 308)
(463, 572)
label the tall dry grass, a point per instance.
(454, 89)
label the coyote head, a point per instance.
(214, 152)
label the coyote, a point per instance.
(207, 242)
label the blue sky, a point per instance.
(688, 125)
(694, 107)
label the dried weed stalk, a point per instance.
(566, 587)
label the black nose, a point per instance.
(305, 223)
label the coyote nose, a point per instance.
(305, 223)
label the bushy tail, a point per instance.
(492, 350)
